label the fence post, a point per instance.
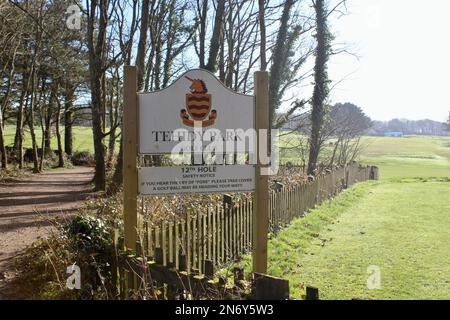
(312, 293)
(261, 203)
(130, 151)
(265, 287)
(374, 173)
(227, 201)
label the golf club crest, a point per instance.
(198, 105)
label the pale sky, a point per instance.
(403, 48)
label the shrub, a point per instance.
(90, 241)
(83, 158)
(42, 268)
(86, 241)
(89, 235)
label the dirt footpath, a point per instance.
(28, 205)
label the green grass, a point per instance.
(82, 138)
(401, 227)
(410, 157)
(400, 224)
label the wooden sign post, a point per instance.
(261, 200)
(149, 120)
(130, 152)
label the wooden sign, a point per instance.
(196, 179)
(196, 98)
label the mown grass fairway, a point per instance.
(82, 138)
(409, 156)
(400, 224)
(401, 227)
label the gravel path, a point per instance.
(28, 205)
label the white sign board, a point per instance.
(196, 98)
(196, 179)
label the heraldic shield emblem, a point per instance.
(198, 105)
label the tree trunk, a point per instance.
(118, 174)
(229, 78)
(279, 61)
(48, 129)
(117, 179)
(4, 156)
(216, 36)
(142, 46)
(96, 42)
(262, 26)
(202, 35)
(31, 121)
(18, 140)
(111, 147)
(320, 92)
(58, 134)
(99, 148)
(68, 122)
(333, 157)
(113, 119)
(142, 82)
(42, 117)
(222, 61)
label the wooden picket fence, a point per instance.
(200, 243)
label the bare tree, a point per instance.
(262, 27)
(101, 32)
(142, 46)
(10, 41)
(217, 34)
(345, 125)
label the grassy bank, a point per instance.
(401, 227)
(399, 224)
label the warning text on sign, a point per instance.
(196, 179)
